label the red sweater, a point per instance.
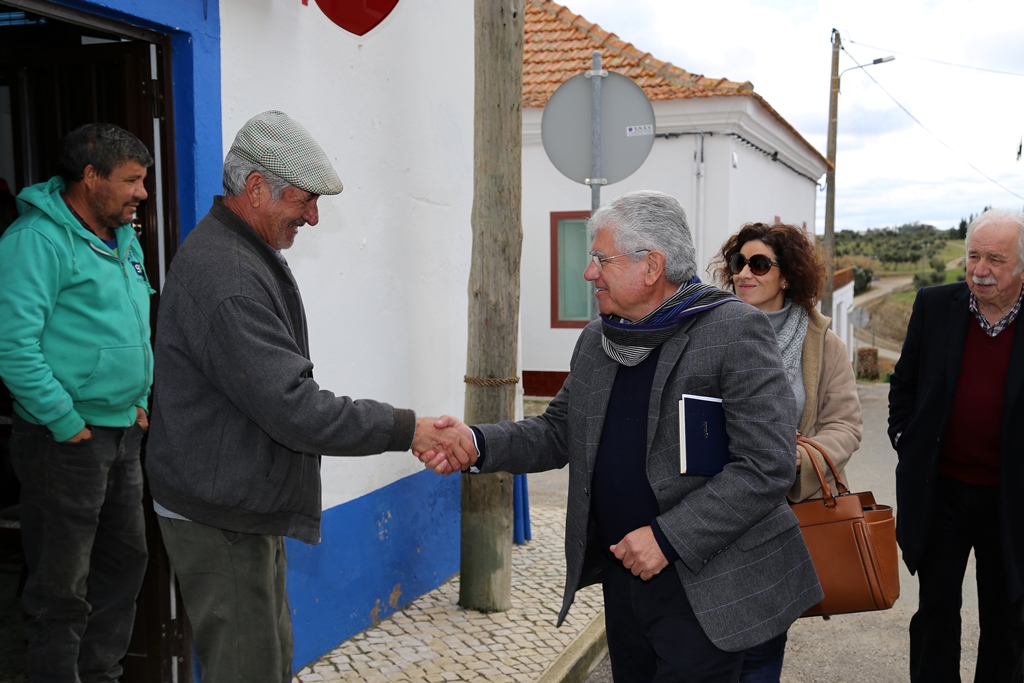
(971, 449)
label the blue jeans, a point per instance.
(84, 539)
(763, 663)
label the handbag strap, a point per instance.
(826, 492)
(841, 488)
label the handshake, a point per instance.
(444, 444)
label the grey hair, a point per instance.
(647, 219)
(237, 171)
(998, 215)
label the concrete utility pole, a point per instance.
(830, 174)
(486, 578)
(830, 180)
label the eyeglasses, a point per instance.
(599, 260)
(759, 264)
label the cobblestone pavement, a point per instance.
(435, 640)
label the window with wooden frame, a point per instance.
(571, 295)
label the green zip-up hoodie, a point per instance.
(74, 318)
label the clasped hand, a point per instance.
(640, 553)
(444, 444)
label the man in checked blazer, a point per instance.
(694, 569)
(955, 413)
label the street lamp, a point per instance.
(830, 173)
(880, 60)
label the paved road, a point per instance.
(855, 648)
(886, 348)
(883, 287)
(892, 283)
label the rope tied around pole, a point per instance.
(490, 381)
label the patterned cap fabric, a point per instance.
(281, 145)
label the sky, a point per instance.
(889, 170)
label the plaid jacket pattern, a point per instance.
(743, 562)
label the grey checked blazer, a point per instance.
(743, 562)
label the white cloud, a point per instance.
(889, 170)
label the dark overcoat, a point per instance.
(921, 396)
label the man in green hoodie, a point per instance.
(75, 354)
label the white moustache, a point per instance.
(983, 280)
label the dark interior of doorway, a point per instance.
(55, 76)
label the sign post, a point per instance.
(595, 180)
(618, 140)
(860, 318)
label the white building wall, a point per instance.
(756, 189)
(719, 196)
(842, 310)
(383, 276)
(761, 189)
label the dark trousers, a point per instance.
(653, 635)
(233, 587)
(965, 517)
(763, 663)
(84, 538)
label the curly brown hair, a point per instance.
(800, 259)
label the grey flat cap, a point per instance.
(281, 145)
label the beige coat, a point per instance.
(832, 412)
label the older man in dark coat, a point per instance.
(738, 570)
(955, 403)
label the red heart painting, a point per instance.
(357, 16)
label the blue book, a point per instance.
(703, 441)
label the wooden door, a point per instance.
(86, 76)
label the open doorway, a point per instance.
(60, 69)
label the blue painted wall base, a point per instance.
(378, 553)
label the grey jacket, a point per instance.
(743, 562)
(238, 422)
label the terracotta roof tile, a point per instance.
(558, 45)
(843, 277)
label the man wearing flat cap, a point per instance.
(238, 422)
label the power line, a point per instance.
(927, 130)
(937, 61)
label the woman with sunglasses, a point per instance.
(777, 269)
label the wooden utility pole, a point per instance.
(830, 180)
(491, 364)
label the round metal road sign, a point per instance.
(860, 317)
(627, 127)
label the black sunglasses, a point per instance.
(759, 263)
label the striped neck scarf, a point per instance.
(629, 343)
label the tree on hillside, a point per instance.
(914, 242)
(965, 222)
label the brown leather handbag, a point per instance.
(852, 541)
